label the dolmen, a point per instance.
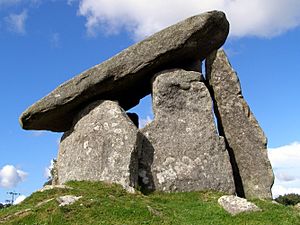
(181, 149)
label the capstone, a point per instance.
(126, 76)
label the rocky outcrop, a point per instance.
(246, 140)
(181, 150)
(126, 76)
(101, 145)
(51, 187)
(67, 200)
(235, 205)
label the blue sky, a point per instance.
(44, 43)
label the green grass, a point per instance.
(110, 204)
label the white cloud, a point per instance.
(10, 176)
(38, 133)
(285, 156)
(19, 199)
(285, 162)
(144, 122)
(47, 171)
(16, 22)
(263, 18)
(282, 190)
(283, 176)
(9, 2)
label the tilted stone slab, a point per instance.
(240, 128)
(181, 150)
(126, 76)
(102, 145)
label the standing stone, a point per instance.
(181, 150)
(102, 145)
(242, 132)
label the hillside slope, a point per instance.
(110, 204)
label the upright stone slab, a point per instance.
(242, 132)
(102, 145)
(181, 149)
(126, 76)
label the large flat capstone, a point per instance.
(126, 76)
(181, 149)
(101, 145)
(238, 125)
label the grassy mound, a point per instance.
(110, 204)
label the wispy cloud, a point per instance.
(144, 121)
(55, 40)
(285, 162)
(16, 22)
(284, 176)
(70, 2)
(9, 2)
(38, 133)
(263, 18)
(10, 176)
